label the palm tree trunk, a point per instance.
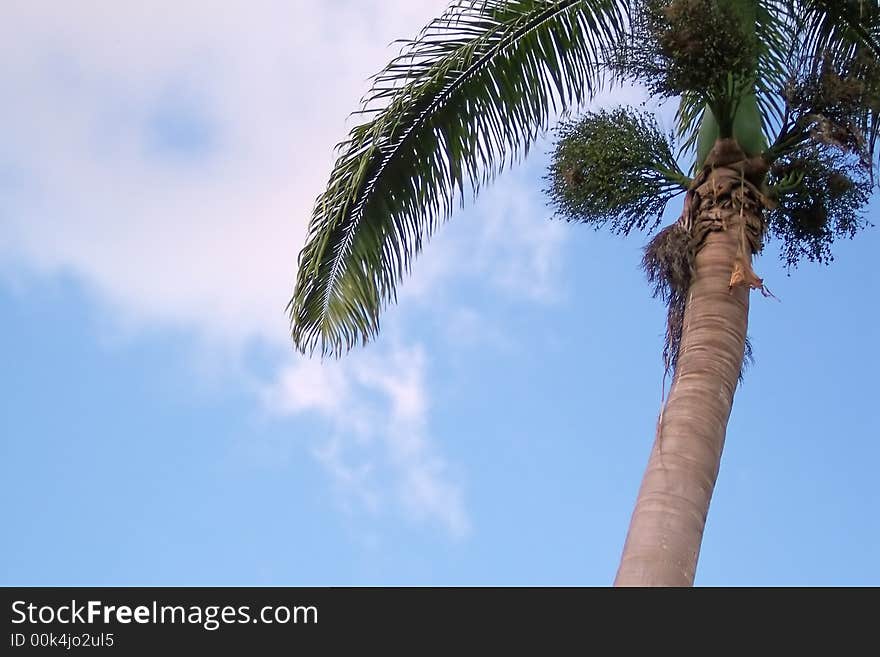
(666, 529)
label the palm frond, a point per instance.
(777, 32)
(840, 25)
(462, 100)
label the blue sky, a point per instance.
(157, 168)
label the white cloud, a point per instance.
(525, 245)
(206, 239)
(377, 409)
(309, 385)
(167, 155)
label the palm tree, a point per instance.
(776, 123)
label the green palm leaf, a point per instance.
(841, 25)
(462, 100)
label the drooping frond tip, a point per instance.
(668, 263)
(466, 97)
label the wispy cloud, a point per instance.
(377, 412)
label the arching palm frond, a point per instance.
(777, 32)
(462, 100)
(841, 25)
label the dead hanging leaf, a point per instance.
(743, 274)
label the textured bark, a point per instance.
(663, 543)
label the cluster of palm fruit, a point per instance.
(822, 158)
(614, 168)
(684, 46)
